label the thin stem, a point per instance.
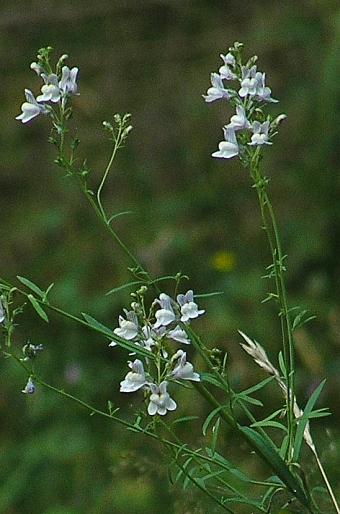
(281, 295)
(116, 146)
(67, 163)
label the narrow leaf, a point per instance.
(272, 458)
(302, 421)
(31, 286)
(268, 421)
(210, 417)
(96, 324)
(115, 216)
(38, 307)
(208, 377)
(215, 434)
(124, 286)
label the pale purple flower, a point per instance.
(217, 90)
(189, 309)
(228, 59)
(128, 328)
(262, 92)
(179, 335)
(68, 84)
(260, 135)
(29, 387)
(50, 90)
(149, 337)
(239, 120)
(249, 82)
(160, 401)
(225, 71)
(31, 108)
(228, 148)
(184, 370)
(135, 379)
(165, 315)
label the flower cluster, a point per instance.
(156, 331)
(248, 127)
(57, 88)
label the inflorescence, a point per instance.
(57, 87)
(249, 127)
(156, 331)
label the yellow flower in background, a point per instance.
(223, 261)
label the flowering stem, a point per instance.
(68, 164)
(277, 270)
(116, 146)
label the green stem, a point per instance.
(272, 232)
(116, 146)
(98, 208)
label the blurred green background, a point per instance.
(190, 213)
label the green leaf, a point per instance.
(215, 434)
(243, 397)
(267, 422)
(115, 216)
(282, 365)
(38, 307)
(210, 417)
(97, 325)
(258, 386)
(226, 465)
(298, 321)
(272, 458)
(307, 413)
(273, 424)
(184, 419)
(208, 377)
(31, 286)
(125, 286)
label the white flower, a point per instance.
(263, 93)
(184, 370)
(165, 315)
(135, 379)
(31, 108)
(225, 71)
(217, 90)
(260, 135)
(228, 59)
(50, 90)
(179, 335)
(68, 84)
(128, 329)
(239, 120)
(249, 82)
(149, 336)
(228, 148)
(160, 401)
(189, 309)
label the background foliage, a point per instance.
(190, 213)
